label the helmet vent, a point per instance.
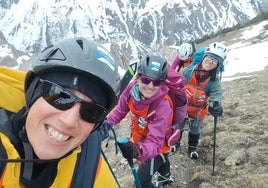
(164, 67)
(53, 54)
(80, 43)
(147, 60)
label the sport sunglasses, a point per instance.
(213, 59)
(62, 99)
(146, 80)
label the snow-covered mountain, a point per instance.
(135, 25)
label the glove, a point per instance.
(128, 149)
(104, 129)
(181, 64)
(215, 109)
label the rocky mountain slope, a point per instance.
(241, 151)
(133, 25)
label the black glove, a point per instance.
(215, 109)
(104, 129)
(181, 64)
(128, 149)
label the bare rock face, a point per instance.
(133, 25)
(8, 61)
(2, 39)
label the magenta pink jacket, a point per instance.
(157, 128)
(175, 63)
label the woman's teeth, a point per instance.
(55, 135)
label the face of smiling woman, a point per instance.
(209, 64)
(147, 90)
(52, 132)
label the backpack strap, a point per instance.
(6, 129)
(88, 160)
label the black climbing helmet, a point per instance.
(154, 66)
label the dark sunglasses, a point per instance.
(213, 59)
(62, 99)
(146, 80)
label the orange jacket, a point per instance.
(197, 98)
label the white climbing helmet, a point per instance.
(217, 49)
(185, 51)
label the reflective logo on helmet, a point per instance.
(104, 56)
(155, 66)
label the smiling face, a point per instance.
(209, 63)
(52, 132)
(148, 88)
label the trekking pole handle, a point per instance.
(124, 140)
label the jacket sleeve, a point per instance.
(215, 93)
(175, 63)
(157, 131)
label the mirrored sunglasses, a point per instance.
(213, 59)
(62, 99)
(146, 81)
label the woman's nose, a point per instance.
(151, 85)
(71, 116)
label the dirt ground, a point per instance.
(241, 151)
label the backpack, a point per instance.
(176, 84)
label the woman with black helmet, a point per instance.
(151, 113)
(51, 142)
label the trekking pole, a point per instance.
(131, 164)
(214, 146)
(135, 174)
